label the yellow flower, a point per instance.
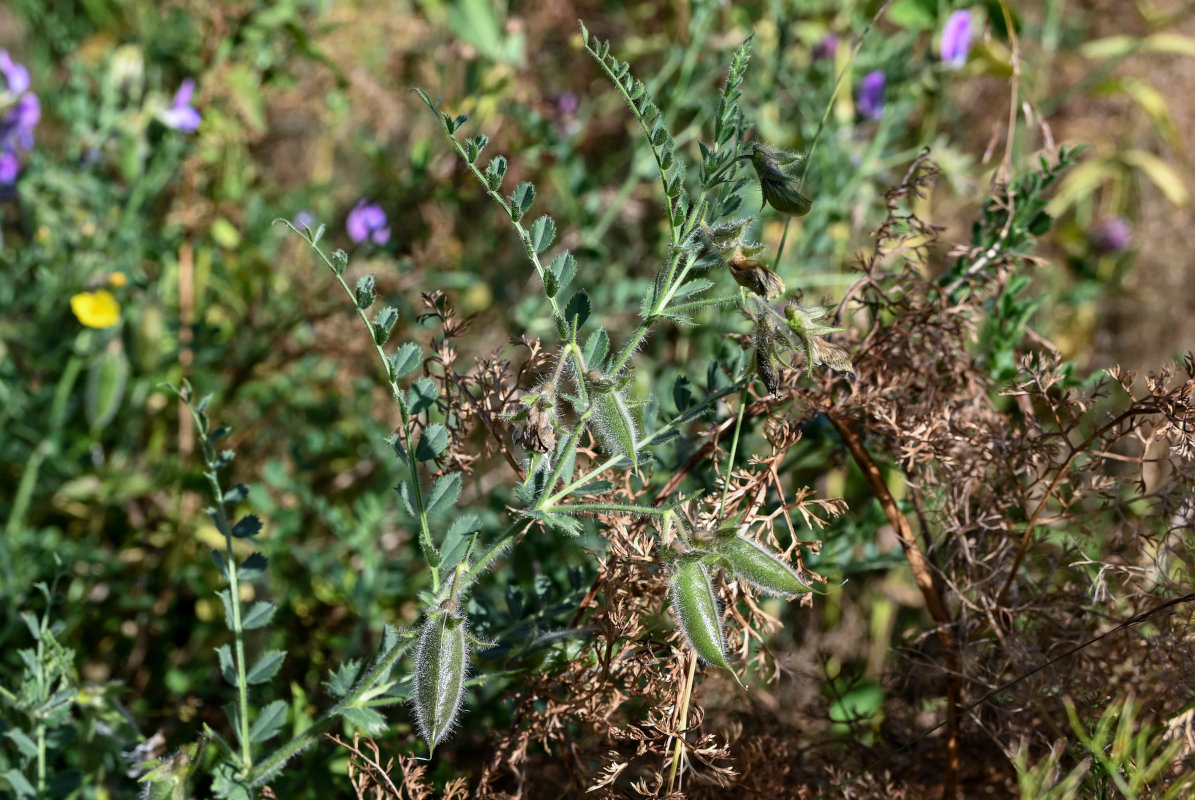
(96, 309)
(117, 280)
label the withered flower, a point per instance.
(775, 169)
(802, 321)
(755, 277)
(728, 242)
(533, 428)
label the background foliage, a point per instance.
(111, 623)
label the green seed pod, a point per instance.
(756, 565)
(697, 611)
(440, 666)
(614, 424)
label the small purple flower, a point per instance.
(827, 48)
(181, 115)
(367, 221)
(871, 95)
(18, 119)
(10, 167)
(956, 39)
(567, 104)
(304, 219)
(1111, 235)
(16, 77)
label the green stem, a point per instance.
(734, 444)
(649, 440)
(48, 446)
(238, 633)
(425, 537)
(267, 766)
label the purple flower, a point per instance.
(1111, 235)
(827, 48)
(871, 95)
(367, 221)
(956, 39)
(567, 104)
(304, 219)
(181, 115)
(22, 112)
(16, 77)
(9, 168)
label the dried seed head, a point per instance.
(534, 427)
(767, 372)
(441, 662)
(802, 321)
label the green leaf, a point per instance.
(259, 615)
(266, 667)
(24, 744)
(221, 564)
(432, 442)
(578, 307)
(521, 200)
(564, 523)
(383, 324)
(457, 540)
(269, 721)
(564, 267)
(474, 146)
(236, 494)
(226, 600)
(403, 360)
(494, 173)
(340, 682)
(19, 784)
(421, 395)
(247, 526)
(695, 286)
(593, 487)
(682, 393)
(227, 668)
(543, 232)
(444, 494)
(595, 349)
(254, 566)
(366, 719)
(404, 493)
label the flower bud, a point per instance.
(774, 168)
(365, 292)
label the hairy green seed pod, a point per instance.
(614, 425)
(697, 611)
(440, 667)
(763, 569)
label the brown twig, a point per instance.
(925, 582)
